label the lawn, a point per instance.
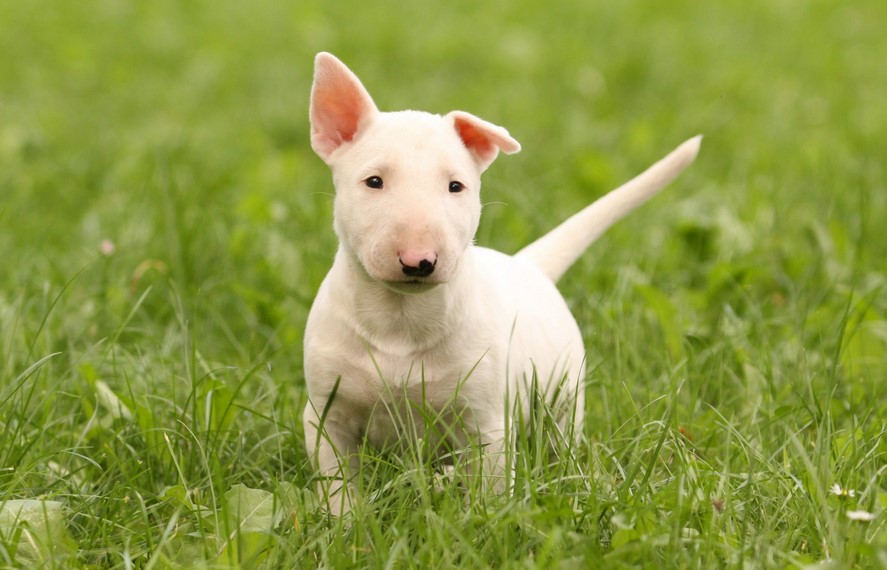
(164, 226)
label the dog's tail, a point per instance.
(557, 250)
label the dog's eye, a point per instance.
(456, 186)
(374, 182)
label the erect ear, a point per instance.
(340, 105)
(483, 139)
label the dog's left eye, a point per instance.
(456, 186)
(374, 182)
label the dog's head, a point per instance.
(407, 183)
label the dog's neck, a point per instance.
(394, 322)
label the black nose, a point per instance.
(425, 268)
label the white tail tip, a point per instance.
(690, 147)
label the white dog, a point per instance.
(412, 315)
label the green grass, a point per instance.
(151, 397)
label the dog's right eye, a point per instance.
(374, 182)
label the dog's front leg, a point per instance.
(491, 463)
(334, 450)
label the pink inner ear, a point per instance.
(477, 140)
(339, 105)
(339, 113)
(483, 139)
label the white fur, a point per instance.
(464, 339)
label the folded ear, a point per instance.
(483, 139)
(340, 105)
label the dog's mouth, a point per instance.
(410, 286)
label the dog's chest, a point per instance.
(390, 397)
(434, 376)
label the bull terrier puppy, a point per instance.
(412, 315)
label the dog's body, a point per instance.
(411, 311)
